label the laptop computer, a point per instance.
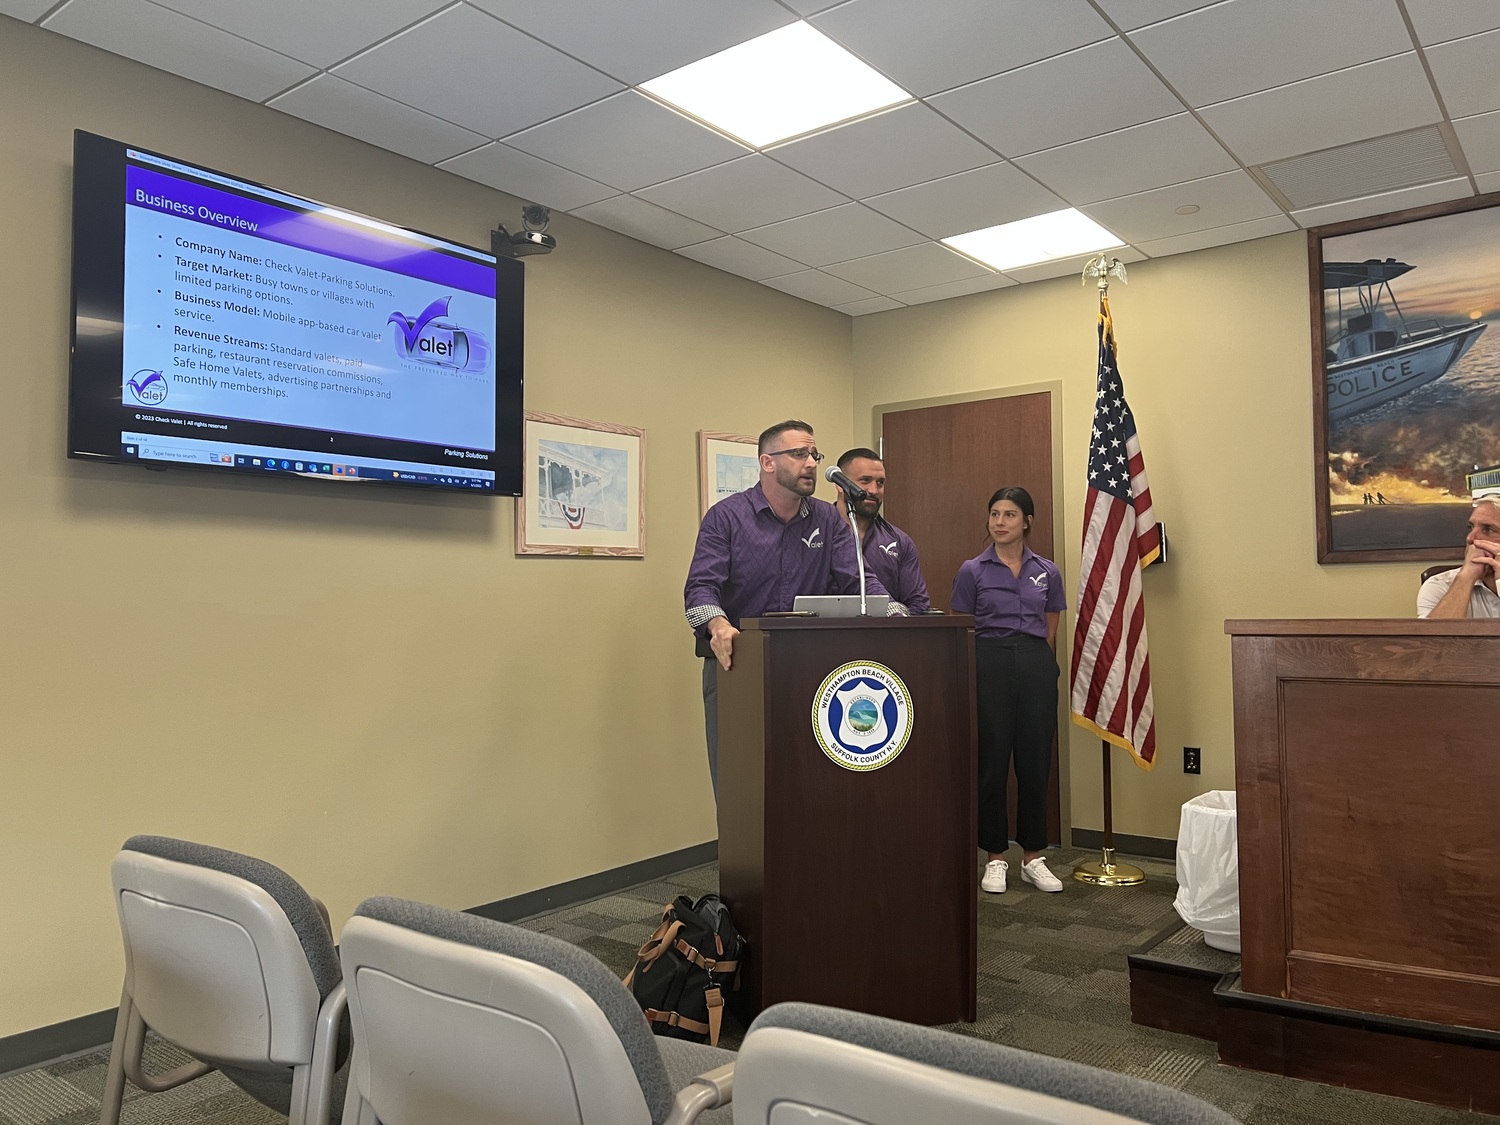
(840, 605)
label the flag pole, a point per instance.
(1106, 872)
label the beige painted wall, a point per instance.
(370, 690)
(1216, 361)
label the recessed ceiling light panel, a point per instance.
(782, 84)
(1042, 238)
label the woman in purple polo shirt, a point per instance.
(1016, 597)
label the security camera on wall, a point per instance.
(531, 239)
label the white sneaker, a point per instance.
(1036, 873)
(994, 877)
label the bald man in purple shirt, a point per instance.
(890, 554)
(758, 550)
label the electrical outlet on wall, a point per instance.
(1192, 759)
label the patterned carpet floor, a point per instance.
(1052, 979)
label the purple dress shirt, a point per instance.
(747, 562)
(891, 556)
(1003, 604)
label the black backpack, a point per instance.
(680, 974)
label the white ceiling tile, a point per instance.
(1467, 72)
(28, 10)
(749, 192)
(1070, 267)
(909, 268)
(891, 150)
(1480, 138)
(643, 39)
(356, 112)
(820, 288)
(1083, 93)
(744, 258)
(1131, 14)
(178, 45)
(835, 235)
(1146, 156)
(1383, 203)
(477, 72)
(1437, 21)
(869, 305)
(646, 221)
(981, 284)
(527, 177)
(1240, 46)
(1230, 197)
(629, 141)
(984, 197)
(810, 7)
(1216, 236)
(1389, 96)
(321, 34)
(1488, 181)
(946, 43)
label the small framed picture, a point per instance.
(583, 490)
(727, 463)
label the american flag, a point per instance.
(1111, 682)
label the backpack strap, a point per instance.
(715, 1000)
(703, 962)
(677, 1019)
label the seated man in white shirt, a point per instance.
(1469, 590)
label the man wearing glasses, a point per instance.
(759, 549)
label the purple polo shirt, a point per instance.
(891, 556)
(1003, 604)
(747, 562)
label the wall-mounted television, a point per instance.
(226, 326)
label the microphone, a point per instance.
(836, 476)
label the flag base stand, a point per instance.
(1107, 873)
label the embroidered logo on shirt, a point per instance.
(890, 548)
(810, 539)
(1039, 581)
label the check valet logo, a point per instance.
(149, 387)
(441, 343)
(862, 716)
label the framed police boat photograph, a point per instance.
(584, 488)
(1406, 387)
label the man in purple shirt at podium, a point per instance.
(758, 550)
(890, 555)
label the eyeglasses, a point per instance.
(801, 453)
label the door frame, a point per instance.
(1054, 387)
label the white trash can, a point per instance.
(1208, 869)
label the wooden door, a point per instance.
(942, 464)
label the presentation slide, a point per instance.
(243, 304)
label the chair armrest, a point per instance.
(706, 1091)
(325, 1056)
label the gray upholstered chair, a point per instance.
(812, 1063)
(228, 958)
(467, 1021)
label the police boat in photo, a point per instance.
(1374, 353)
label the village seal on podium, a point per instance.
(862, 715)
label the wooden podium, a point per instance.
(1367, 759)
(853, 888)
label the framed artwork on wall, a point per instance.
(1406, 386)
(584, 489)
(727, 463)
